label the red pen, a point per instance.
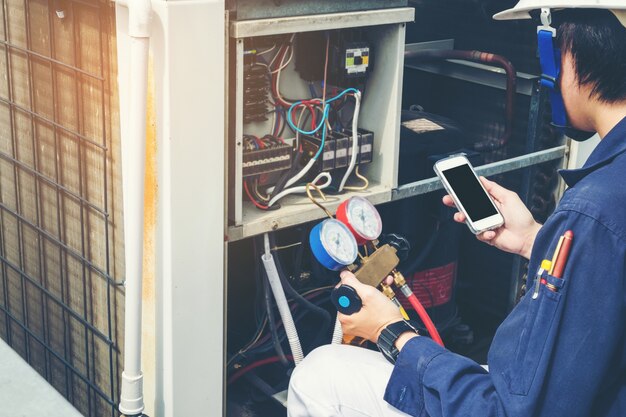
(561, 259)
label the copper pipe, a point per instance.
(485, 58)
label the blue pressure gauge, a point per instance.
(333, 245)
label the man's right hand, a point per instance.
(517, 235)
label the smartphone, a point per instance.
(469, 195)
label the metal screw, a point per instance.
(274, 225)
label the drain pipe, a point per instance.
(133, 171)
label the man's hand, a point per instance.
(517, 235)
(376, 314)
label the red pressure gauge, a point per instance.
(362, 219)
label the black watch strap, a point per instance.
(387, 340)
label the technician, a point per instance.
(561, 354)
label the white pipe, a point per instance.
(133, 171)
(282, 304)
(355, 140)
(337, 333)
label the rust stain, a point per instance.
(149, 347)
(150, 193)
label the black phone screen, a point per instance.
(469, 192)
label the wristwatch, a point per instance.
(387, 340)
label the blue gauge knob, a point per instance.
(346, 300)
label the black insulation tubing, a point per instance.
(296, 296)
(270, 318)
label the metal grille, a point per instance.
(60, 304)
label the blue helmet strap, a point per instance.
(550, 60)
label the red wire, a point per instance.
(259, 142)
(255, 365)
(262, 207)
(432, 330)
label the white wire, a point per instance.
(273, 125)
(267, 50)
(278, 89)
(299, 175)
(355, 140)
(284, 64)
(304, 170)
(302, 189)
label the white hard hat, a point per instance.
(521, 9)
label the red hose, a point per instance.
(254, 365)
(432, 330)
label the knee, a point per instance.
(310, 388)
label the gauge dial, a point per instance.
(333, 244)
(362, 219)
(338, 242)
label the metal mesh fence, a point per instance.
(61, 305)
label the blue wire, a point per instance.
(324, 115)
(277, 122)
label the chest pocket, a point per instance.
(536, 335)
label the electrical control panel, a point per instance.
(318, 104)
(263, 9)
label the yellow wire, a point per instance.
(362, 178)
(404, 313)
(261, 196)
(287, 246)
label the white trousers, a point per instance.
(341, 380)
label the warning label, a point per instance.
(432, 287)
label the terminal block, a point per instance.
(264, 161)
(338, 149)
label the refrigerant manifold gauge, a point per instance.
(362, 218)
(333, 244)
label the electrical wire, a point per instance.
(325, 71)
(355, 140)
(292, 292)
(284, 64)
(293, 245)
(267, 50)
(250, 344)
(256, 203)
(302, 189)
(258, 193)
(320, 125)
(254, 365)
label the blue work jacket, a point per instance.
(562, 354)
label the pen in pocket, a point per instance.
(556, 254)
(561, 259)
(545, 266)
